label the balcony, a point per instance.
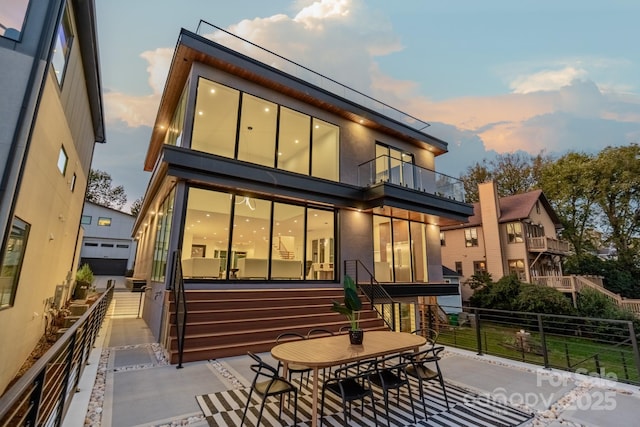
(548, 244)
(386, 169)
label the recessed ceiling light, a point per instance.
(213, 91)
(200, 113)
(266, 109)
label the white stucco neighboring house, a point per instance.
(107, 245)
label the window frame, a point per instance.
(82, 219)
(63, 155)
(15, 277)
(479, 267)
(101, 223)
(63, 58)
(513, 236)
(471, 237)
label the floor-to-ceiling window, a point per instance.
(400, 250)
(238, 237)
(163, 220)
(238, 125)
(394, 166)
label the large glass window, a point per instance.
(288, 241)
(293, 141)
(174, 133)
(163, 230)
(12, 16)
(306, 145)
(394, 166)
(400, 250)
(216, 119)
(12, 257)
(251, 232)
(324, 150)
(320, 245)
(258, 124)
(62, 48)
(267, 240)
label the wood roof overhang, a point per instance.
(193, 48)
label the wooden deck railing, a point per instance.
(548, 244)
(574, 284)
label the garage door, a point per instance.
(106, 266)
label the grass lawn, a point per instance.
(564, 352)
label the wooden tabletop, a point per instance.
(336, 350)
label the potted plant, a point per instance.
(351, 309)
(84, 281)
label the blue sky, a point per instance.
(491, 77)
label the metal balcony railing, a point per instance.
(232, 41)
(388, 169)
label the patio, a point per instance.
(128, 383)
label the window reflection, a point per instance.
(12, 16)
(269, 240)
(61, 49)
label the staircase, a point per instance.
(223, 323)
(574, 284)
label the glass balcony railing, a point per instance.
(405, 174)
(272, 59)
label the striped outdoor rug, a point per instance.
(467, 409)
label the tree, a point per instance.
(136, 206)
(618, 196)
(569, 184)
(513, 173)
(100, 190)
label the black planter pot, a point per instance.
(356, 336)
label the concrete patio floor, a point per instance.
(129, 384)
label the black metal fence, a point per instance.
(41, 397)
(597, 347)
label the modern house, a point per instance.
(509, 235)
(269, 184)
(52, 116)
(107, 245)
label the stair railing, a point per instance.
(179, 297)
(372, 289)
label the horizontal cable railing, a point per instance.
(239, 44)
(379, 299)
(597, 347)
(405, 174)
(41, 397)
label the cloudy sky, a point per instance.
(490, 76)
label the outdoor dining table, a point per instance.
(318, 353)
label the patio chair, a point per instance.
(430, 334)
(294, 368)
(424, 367)
(319, 332)
(389, 375)
(272, 385)
(349, 383)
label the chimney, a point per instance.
(490, 216)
